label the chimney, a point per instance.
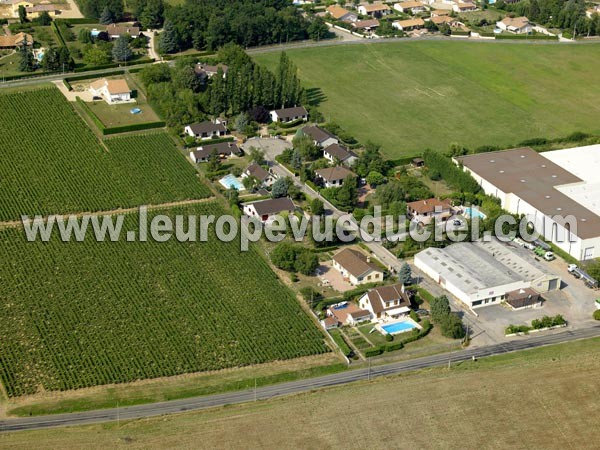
(368, 259)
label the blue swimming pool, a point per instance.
(470, 213)
(399, 327)
(229, 181)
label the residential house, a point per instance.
(411, 7)
(16, 40)
(366, 26)
(374, 9)
(320, 137)
(18, 3)
(464, 7)
(112, 91)
(386, 301)
(418, 162)
(265, 177)
(408, 25)
(264, 210)
(223, 149)
(35, 10)
(208, 71)
(338, 153)
(441, 20)
(209, 129)
(116, 30)
(344, 313)
(517, 25)
(287, 115)
(425, 211)
(338, 13)
(356, 267)
(591, 11)
(333, 176)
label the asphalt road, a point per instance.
(278, 390)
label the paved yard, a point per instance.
(271, 146)
(333, 277)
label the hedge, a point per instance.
(393, 347)
(90, 76)
(537, 37)
(112, 65)
(460, 33)
(375, 351)
(291, 124)
(67, 85)
(134, 127)
(78, 21)
(58, 33)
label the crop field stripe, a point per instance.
(52, 163)
(105, 312)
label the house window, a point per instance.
(369, 277)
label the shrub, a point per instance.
(597, 314)
(452, 326)
(394, 346)
(389, 337)
(374, 351)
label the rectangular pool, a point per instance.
(399, 327)
(230, 181)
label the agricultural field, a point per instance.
(74, 315)
(544, 398)
(408, 96)
(52, 163)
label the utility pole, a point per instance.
(118, 416)
(255, 394)
(369, 369)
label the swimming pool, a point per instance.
(229, 181)
(399, 327)
(470, 213)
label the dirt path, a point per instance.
(18, 223)
(71, 13)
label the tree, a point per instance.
(375, 178)
(440, 308)
(250, 183)
(214, 162)
(65, 62)
(346, 194)
(257, 155)
(106, 18)
(95, 56)
(296, 161)
(233, 196)
(152, 15)
(452, 327)
(44, 19)
(317, 29)
(22, 14)
(284, 256)
(26, 61)
(280, 187)
(316, 207)
(371, 160)
(121, 51)
(306, 147)
(241, 121)
(186, 78)
(168, 41)
(50, 60)
(84, 36)
(306, 262)
(405, 275)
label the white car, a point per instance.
(549, 256)
(571, 268)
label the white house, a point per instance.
(426, 211)
(409, 24)
(517, 25)
(386, 301)
(287, 115)
(209, 129)
(337, 152)
(374, 9)
(356, 267)
(265, 177)
(223, 149)
(333, 176)
(266, 209)
(320, 137)
(411, 7)
(112, 91)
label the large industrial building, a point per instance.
(558, 191)
(484, 273)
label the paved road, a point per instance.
(267, 392)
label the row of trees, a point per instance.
(210, 24)
(182, 96)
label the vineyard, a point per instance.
(52, 163)
(80, 314)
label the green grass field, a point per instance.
(408, 96)
(52, 163)
(81, 314)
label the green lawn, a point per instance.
(408, 96)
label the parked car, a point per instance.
(549, 256)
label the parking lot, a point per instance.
(271, 146)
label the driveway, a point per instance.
(85, 95)
(151, 45)
(271, 146)
(71, 13)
